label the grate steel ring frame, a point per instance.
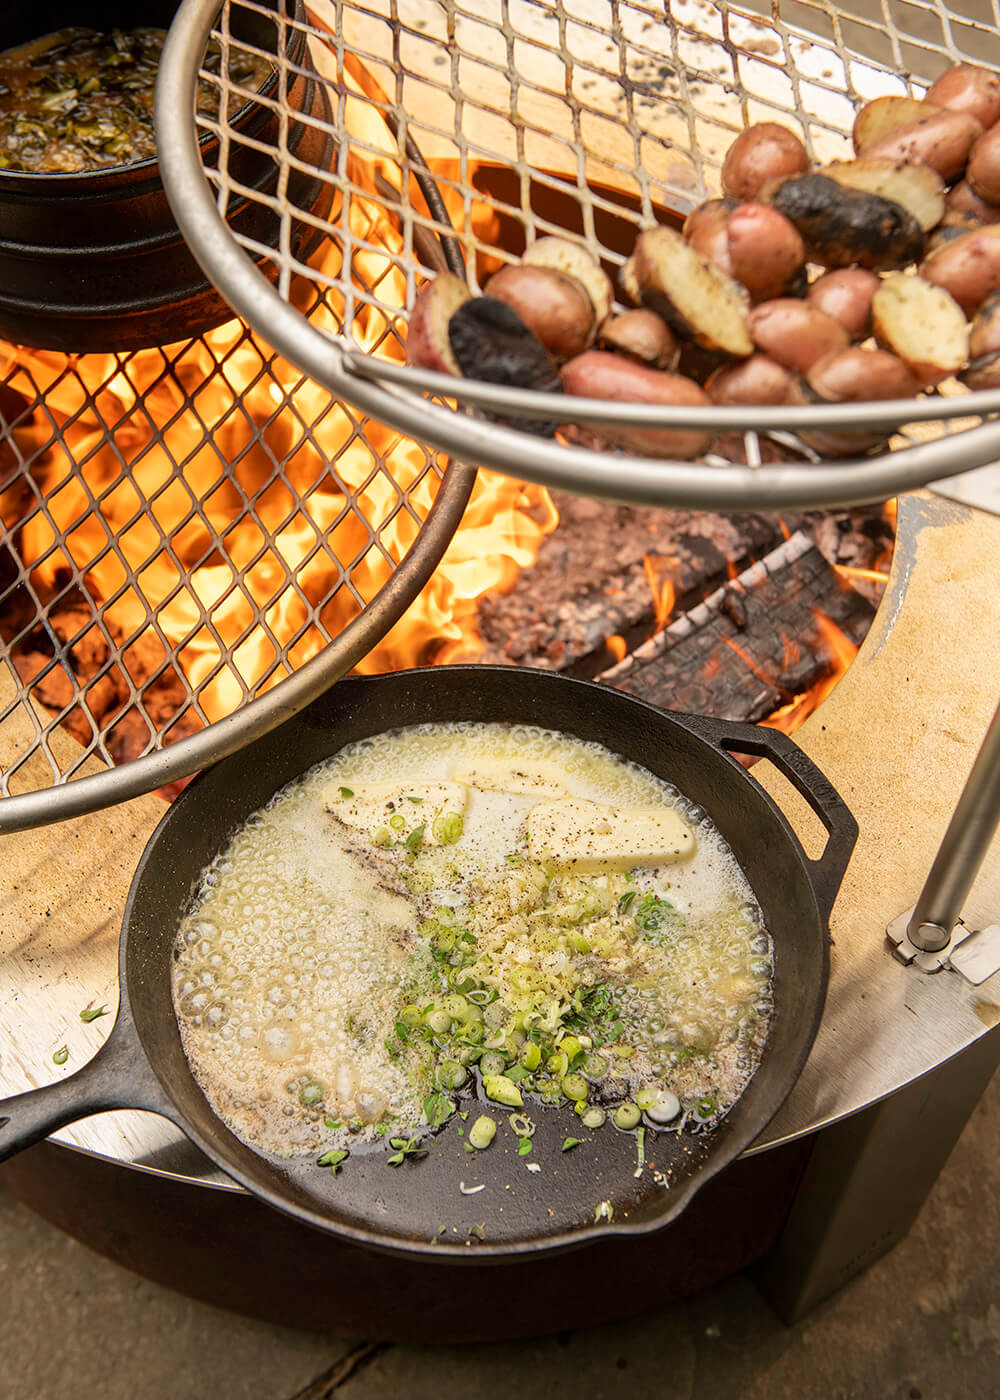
(395, 393)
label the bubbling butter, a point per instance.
(316, 1004)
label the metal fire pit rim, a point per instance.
(111, 786)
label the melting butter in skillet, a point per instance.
(440, 908)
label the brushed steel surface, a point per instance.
(900, 766)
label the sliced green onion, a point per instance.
(574, 1086)
(570, 1142)
(530, 1055)
(411, 1015)
(452, 1075)
(627, 1116)
(456, 1006)
(502, 1090)
(482, 1132)
(704, 1108)
(61, 1056)
(411, 798)
(594, 1118)
(397, 821)
(521, 1124)
(346, 792)
(448, 828)
(493, 1062)
(570, 1046)
(595, 1066)
(381, 836)
(438, 1021)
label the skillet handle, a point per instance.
(118, 1076)
(828, 871)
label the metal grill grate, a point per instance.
(596, 116)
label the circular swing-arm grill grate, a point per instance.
(594, 116)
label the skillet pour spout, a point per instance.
(574, 1197)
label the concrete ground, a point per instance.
(922, 1324)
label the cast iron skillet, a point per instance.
(142, 1064)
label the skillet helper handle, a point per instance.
(827, 872)
(118, 1076)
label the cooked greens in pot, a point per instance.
(80, 100)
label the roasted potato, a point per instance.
(490, 342)
(427, 344)
(843, 226)
(642, 336)
(695, 297)
(763, 152)
(917, 188)
(954, 226)
(968, 267)
(575, 261)
(556, 307)
(983, 373)
(795, 333)
(942, 140)
(984, 337)
(850, 376)
(599, 375)
(758, 380)
(967, 88)
(706, 229)
(962, 199)
(923, 325)
(983, 170)
(765, 250)
(846, 295)
(884, 115)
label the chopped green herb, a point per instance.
(479, 1231)
(437, 1107)
(92, 1013)
(416, 837)
(331, 1123)
(406, 1147)
(413, 799)
(61, 1056)
(346, 792)
(570, 1142)
(626, 901)
(524, 1147)
(333, 1159)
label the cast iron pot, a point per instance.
(419, 1208)
(94, 260)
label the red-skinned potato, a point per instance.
(765, 250)
(427, 344)
(851, 376)
(884, 115)
(918, 188)
(846, 295)
(983, 169)
(968, 267)
(983, 373)
(765, 151)
(642, 336)
(556, 307)
(967, 88)
(706, 229)
(941, 140)
(599, 375)
(758, 380)
(575, 261)
(795, 333)
(962, 199)
(694, 296)
(923, 325)
(984, 338)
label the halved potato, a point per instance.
(884, 115)
(843, 226)
(427, 344)
(942, 140)
(923, 325)
(917, 188)
(575, 261)
(667, 275)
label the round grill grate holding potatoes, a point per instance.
(659, 197)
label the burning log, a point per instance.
(780, 631)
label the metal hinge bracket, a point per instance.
(974, 953)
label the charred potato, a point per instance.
(758, 380)
(846, 295)
(762, 153)
(942, 140)
(707, 230)
(884, 115)
(575, 261)
(556, 307)
(917, 188)
(795, 333)
(983, 170)
(968, 267)
(967, 88)
(427, 344)
(843, 226)
(962, 199)
(665, 274)
(490, 342)
(599, 375)
(983, 373)
(642, 336)
(922, 325)
(765, 250)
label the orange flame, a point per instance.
(661, 573)
(840, 651)
(616, 645)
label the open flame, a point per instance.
(840, 652)
(162, 484)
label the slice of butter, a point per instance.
(377, 804)
(528, 777)
(591, 836)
